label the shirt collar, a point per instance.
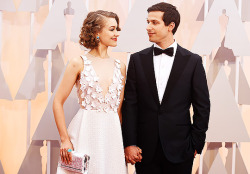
(174, 45)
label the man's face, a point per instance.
(157, 31)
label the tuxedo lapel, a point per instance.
(180, 61)
(148, 66)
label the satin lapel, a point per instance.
(180, 61)
(148, 66)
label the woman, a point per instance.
(95, 130)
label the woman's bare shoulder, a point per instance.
(76, 63)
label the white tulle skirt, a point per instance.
(98, 134)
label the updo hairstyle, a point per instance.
(94, 23)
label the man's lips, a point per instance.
(150, 34)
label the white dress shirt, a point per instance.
(162, 67)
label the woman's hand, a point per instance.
(66, 156)
(69, 78)
(133, 154)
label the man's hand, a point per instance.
(133, 154)
(195, 153)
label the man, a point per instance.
(162, 83)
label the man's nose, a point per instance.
(148, 27)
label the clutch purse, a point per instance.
(79, 164)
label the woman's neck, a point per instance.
(101, 51)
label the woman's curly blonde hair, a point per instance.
(94, 23)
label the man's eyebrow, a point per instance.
(155, 20)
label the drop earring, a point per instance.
(98, 38)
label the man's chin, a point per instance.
(151, 40)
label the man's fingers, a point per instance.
(135, 157)
(133, 154)
(132, 162)
(140, 157)
(139, 150)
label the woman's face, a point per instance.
(109, 34)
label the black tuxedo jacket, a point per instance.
(145, 120)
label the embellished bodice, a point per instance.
(91, 94)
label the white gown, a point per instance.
(95, 130)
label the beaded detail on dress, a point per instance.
(90, 92)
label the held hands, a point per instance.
(133, 154)
(65, 151)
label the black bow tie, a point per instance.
(168, 51)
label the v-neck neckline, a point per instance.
(98, 82)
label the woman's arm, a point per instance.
(123, 71)
(70, 76)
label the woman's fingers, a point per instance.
(129, 160)
(61, 154)
(67, 156)
(126, 158)
(133, 159)
(70, 157)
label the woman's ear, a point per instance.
(98, 36)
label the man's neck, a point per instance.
(165, 44)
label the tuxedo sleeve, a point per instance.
(129, 108)
(201, 106)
